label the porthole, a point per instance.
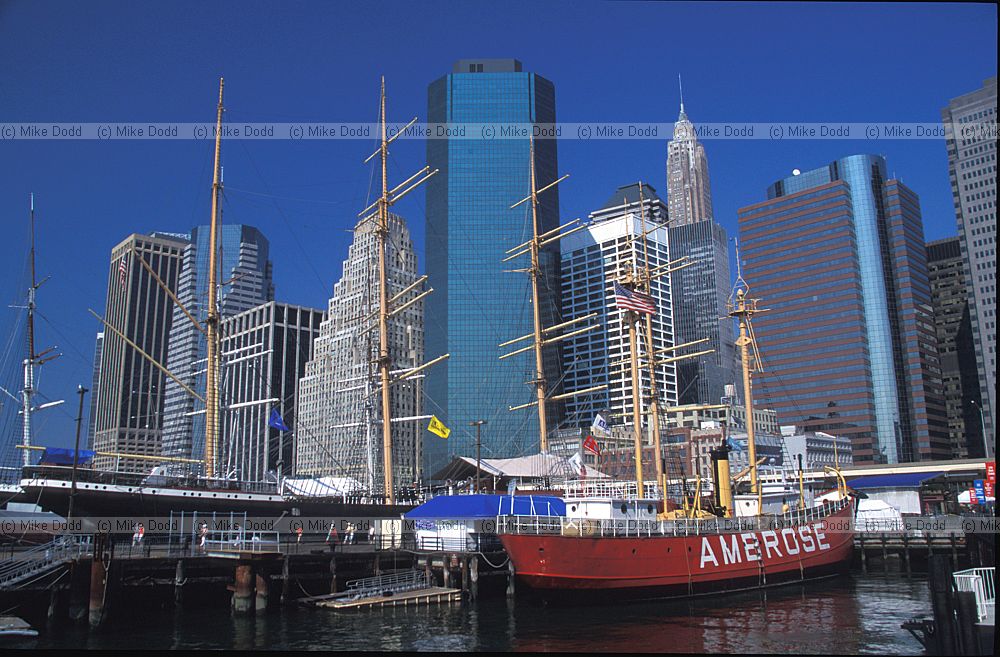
(573, 508)
(649, 509)
(624, 508)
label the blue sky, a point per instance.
(300, 61)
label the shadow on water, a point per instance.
(855, 614)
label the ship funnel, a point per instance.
(723, 484)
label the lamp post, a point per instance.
(80, 390)
(982, 428)
(477, 424)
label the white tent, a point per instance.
(320, 487)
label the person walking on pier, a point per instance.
(140, 531)
(331, 536)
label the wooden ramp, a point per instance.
(425, 596)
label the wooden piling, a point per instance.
(446, 571)
(179, 579)
(333, 573)
(885, 557)
(510, 579)
(864, 556)
(286, 580)
(428, 571)
(474, 577)
(262, 589)
(939, 576)
(98, 582)
(79, 583)
(243, 588)
(968, 616)
(906, 554)
(465, 574)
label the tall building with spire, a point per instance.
(689, 193)
(700, 290)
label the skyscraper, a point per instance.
(689, 193)
(848, 344)
(591, 260)
(266, 349)
(339, 414)
(701, 289)
(478, 302)
(970, 123)
(245, 282)
(130, 393)
(956, 350)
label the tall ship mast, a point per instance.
(113, 493)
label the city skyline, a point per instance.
(99, 185)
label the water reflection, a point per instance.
(860, 614)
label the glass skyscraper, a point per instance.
(848, 344)
(245, 282)
(478, 303)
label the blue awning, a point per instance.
(64, 456)
(489, 506)
(902, 480)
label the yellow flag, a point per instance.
(438, 428)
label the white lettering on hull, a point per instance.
(737, 548)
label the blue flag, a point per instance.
(276, 422)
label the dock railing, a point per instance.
(981, 582)
(238, 540)
(380, 585)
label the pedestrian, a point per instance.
(331, 536)
(237, 530)
(350, 534)
(298, 534)
(784, 506)
(202, 536)
(140, 531)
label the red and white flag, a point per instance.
(122, 271)
(590, 444)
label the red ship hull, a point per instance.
(681, 566)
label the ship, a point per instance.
(65, 483)
(619, 540)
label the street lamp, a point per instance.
(477, 424)
(982, 428)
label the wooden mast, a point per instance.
(536, 272)
(382, 233)
(650, 349)
(212, 322)
(743, 308)
(381, 218)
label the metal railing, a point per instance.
(237, 540)
(37, 560)
(979, 581)
(410, 580)
(575, 526)
(618, 490)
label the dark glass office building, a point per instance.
(837, 255)
(477, 302)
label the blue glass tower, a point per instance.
(476, 304)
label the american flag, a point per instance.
(632, 300)
(122, 271)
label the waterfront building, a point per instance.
(701, 289)
(956, 347)
(128, 417)
(339, 407)
(816, 448)
(970, 132)
(733, 417)
(95, 382)
(245, 282)
(592, 259)
(478, 302)
(837, 255)
(265, 350)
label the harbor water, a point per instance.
(851, 614)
